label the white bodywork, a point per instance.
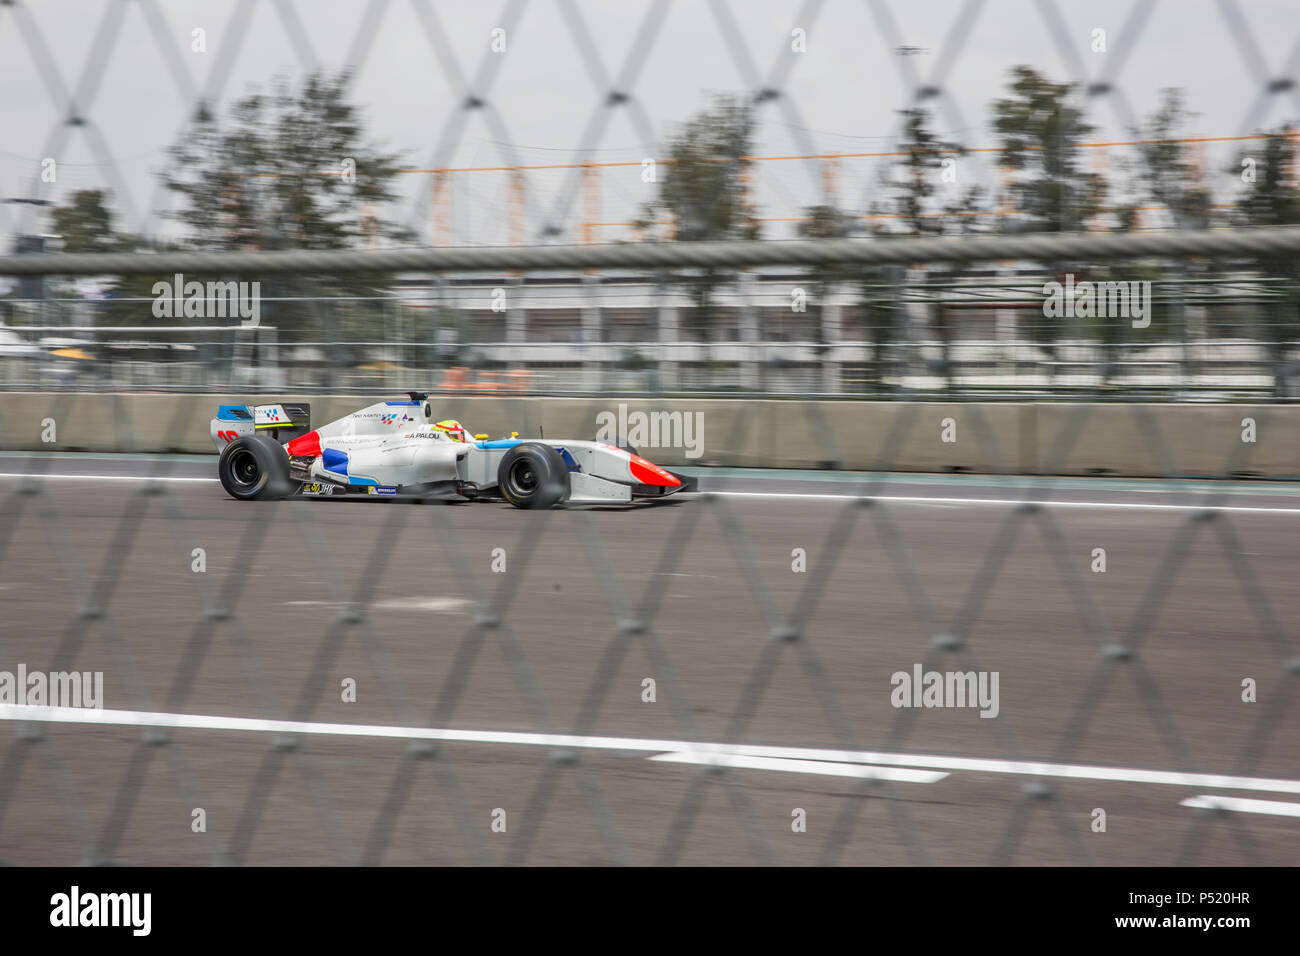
(389, 446)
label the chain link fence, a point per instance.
(499, 710)
(653, 685)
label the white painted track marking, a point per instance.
(132, 718)
(805, 496)
(434, 605)
(1241, 805)
(922, 500)
(43, 477)
(863, 771)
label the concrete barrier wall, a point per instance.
(1168, 439)
(1023, 438)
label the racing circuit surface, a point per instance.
(718, 572)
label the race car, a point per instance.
(400, 448)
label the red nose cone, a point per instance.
(305, 446)
(651, 474)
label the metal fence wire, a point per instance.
(500, 717)
(92, 573)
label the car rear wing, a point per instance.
(280, 421)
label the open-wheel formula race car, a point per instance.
(397, 448)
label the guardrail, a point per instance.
(1039, 247)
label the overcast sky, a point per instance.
(841, 95)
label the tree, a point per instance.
(703, 192)
(1164, 174)
(914, 204)
(704, 188)
(1041, 133)
(823, 221)
(1168, 175)
(1271, 199)
(289, 170)
(912, 182)
(86, 224)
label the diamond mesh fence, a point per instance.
(381, 682)
(711, 679)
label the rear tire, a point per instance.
(254, 468)
(533, 475)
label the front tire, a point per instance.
(254, 468)
(533, 475)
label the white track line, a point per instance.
(132, 718)
(1278, 807)
(864, 771)
(42, 477)
(1031, 768)
(922, 500)
(807, 496)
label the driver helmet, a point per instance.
(452, 429)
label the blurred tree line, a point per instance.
(293, 169)
(289, 169)
(1049, 183)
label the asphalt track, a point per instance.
(626, 783)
